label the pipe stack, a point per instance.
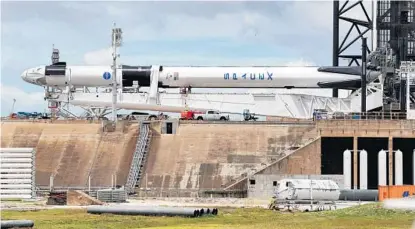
(152, 211)
(16, 223)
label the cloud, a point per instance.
(25, 101)
(99, 57)
(300, 62)
(104, 57)
(281, 24)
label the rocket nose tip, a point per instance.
(24, 75)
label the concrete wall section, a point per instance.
(264, 187)
(73, 151)
(306, 160)
(208, 156)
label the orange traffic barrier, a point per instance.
(395, 191)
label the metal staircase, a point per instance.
(141, 149)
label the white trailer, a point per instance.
(292, 193)
(305, 189)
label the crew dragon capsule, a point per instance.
(60, 74)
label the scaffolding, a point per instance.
(407, 72)
(395, 28)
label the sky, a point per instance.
(294, 33)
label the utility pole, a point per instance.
(12, 110)
(363, 76)
(116, 42)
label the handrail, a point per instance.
(299, 122)
(137, 158)
(359, 116)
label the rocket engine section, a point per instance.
(304, 189)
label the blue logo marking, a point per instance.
(106, 76)
(250, 76)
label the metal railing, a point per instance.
(163, 192)
(366, 121)
(47, 188)
(141, 150)
(359, 116)
(299, 122)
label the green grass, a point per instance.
(11, 200)
(365, 216)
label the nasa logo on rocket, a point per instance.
(106, 76)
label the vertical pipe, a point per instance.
(382, 168)
(114, 75)
(408, 92)
(374, 25)
(363, 169)
(363, 81)
(355, 164)
(336, 15)
(413, 167)
(398, 168)
(403, 93)
(347, 167)
(50, 183)
(89, 184)
(390, 156)
(311, 193)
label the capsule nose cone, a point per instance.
(24, 75)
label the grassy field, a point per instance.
(365, 216)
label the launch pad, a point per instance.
(381, 84)
(206, 158)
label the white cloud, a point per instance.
(98, 57)
(104, 57)
(256, 21)
(300, 62)
(25, 101)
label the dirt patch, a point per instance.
(78, 198)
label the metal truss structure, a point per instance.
(340, 48)
(395, 28)
(96, 104)
(407, 72)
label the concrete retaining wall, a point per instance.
(70, 152)
(210, 156)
